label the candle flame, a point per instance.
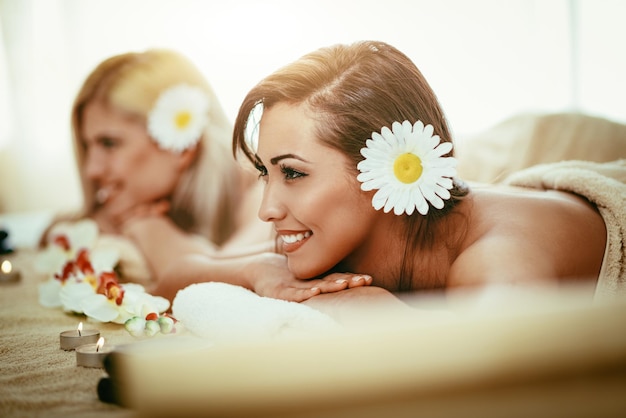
(6, 267)
(99, 344)
(80, 329)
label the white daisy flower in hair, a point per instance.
(405, 164)
(179, 117)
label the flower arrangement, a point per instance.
(407, 167)
(179, 117)
(82, 279)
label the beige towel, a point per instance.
(526, 140)
(604, 184)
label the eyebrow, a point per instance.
(275, 160)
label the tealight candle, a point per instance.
(92, 355)
(75, 338)
(8, 274)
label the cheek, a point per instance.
(131, 160)
(336, 204)
(126, 165)
(317, 206)
(341, 221)
(149, 174)
(346, 228)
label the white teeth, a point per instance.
(102, 195)
(290, 239)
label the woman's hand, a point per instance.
(114, 221)
(157, 209)
(269, 276)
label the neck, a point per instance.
(397, 262)
(381, 253)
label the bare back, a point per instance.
(523, 235)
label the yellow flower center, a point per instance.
(182, 119)
(407, 168)
(92, 280)
(114, 292)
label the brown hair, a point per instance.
(354, 90)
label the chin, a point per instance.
(303, 271)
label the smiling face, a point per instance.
(311, 193)
(124, 164)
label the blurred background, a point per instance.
(487, 60)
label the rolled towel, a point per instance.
(227, 313)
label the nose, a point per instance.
(271, 209)
(94, 165)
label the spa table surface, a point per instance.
(566, 363)
(37, 377)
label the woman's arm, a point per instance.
(178, 259)
(361, 305)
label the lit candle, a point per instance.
(8, 274)
(92, 355)
(77, 337)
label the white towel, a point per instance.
(227, 313)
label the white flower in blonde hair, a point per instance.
(179, 117)
(407, 168)
(251, 133)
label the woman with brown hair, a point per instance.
(359, 171)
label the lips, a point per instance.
(293, 241)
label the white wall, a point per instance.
(486, 59)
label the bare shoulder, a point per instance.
(522, 235)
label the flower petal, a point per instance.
(179, 117)
(104, 259)
(50, 260)
(49, 293)
(100, 308)
(381, 196)
(73, 294)
(430, 195)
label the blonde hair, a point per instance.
(208, 193)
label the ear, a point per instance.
(187, 157)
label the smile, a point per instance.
(292, 242)
(290, 239)
(102, 195)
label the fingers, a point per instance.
(360, 280)
(305, 289)
(296, 294)
(146, 210)
(160, 207)
(116, 216)
(346, 280)
(337, 282)
(270, 277)
(300, 295)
